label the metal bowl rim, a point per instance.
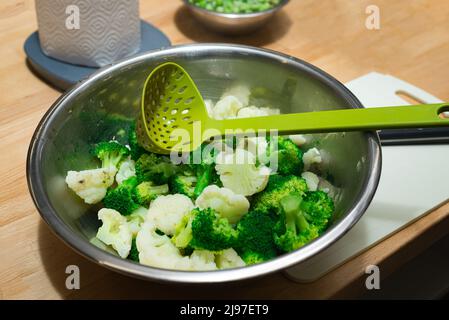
(95, 254)
(237, 15)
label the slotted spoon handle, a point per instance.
(416, 116)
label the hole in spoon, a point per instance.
(443, 112)
(189, 100)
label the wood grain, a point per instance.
(412, 43)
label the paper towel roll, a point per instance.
(89, 32)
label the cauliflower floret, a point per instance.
(91, 185)
(270, 111)
(226, 108)
(159, 251)
(329, 188)
(228, 204)
(115, 231)
(202, 260)
(256, 145)
(252, 111)
(312, 180)
(167, 211)
(298, 139)
(136, 219)
(311, 157)
(228, 259)
(127, 170)
(209, 107)
(241, 92)
(239, 173)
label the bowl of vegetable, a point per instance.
(234, 17)
(212, 220)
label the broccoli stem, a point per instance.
(157, 190)
(183, 238)
(293, 214)
(111, 161)
(301, 221)
(204, 180)
(290, 222)
(146, 192)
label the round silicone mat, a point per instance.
(63, 75)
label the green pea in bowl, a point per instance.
(234, 23)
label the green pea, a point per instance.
(235, 6)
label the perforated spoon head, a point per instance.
(174, 116)
(171, 105)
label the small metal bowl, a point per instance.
(233, 23)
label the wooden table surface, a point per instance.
(412, 43)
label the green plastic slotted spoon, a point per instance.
(174, 117)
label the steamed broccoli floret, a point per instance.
(277, 188)
(293, 230)
(146, 192)
(318, 208)
(289, 155)
(205, 171)
(204, 229)
(184, 185)
(121, 198)
(111, 153)
(204, 177)
(255, 242)
(155, 168)
(136, 150)
(133, 253)
(116, 126)
(104, 125)
(193, 177)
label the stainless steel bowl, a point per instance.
(62, 138)
(233, 23)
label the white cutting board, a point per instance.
(414, 180)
